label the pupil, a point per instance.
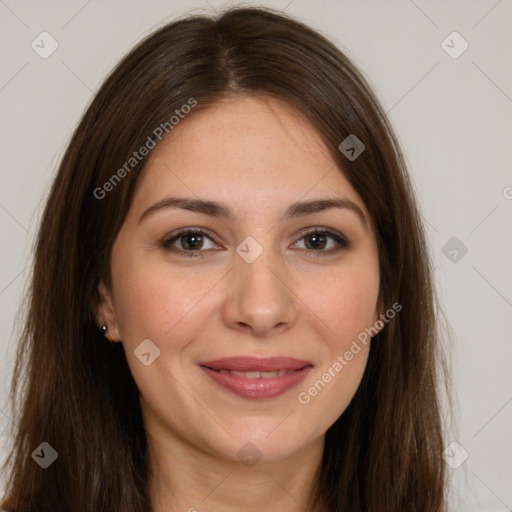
(318, 241)
(192, 241)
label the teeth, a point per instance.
(257, 375)
(247, 375)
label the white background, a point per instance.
(453, 118)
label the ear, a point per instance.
(379, 311)
(380, 306)
(106, 314)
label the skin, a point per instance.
(256, 156)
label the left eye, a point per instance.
(322, 242)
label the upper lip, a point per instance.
(249, 363)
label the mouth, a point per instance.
(254, 378)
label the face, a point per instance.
(228, 251)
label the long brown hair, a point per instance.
(74, 390)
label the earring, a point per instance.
(103, 331)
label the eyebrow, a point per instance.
(215, 209)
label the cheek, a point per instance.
(344, 307)
(154, 301)
(346, 303)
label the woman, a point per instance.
(234, 214)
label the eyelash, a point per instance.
(339, 239)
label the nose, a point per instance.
(261, 300)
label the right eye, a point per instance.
(189, 242)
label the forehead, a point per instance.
(246, 131)
(249, 151)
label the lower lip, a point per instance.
(257, 388)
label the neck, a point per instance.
(186, 479)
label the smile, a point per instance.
(255, 385)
